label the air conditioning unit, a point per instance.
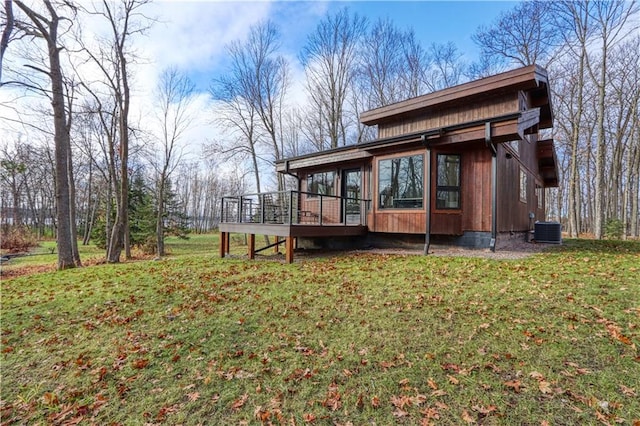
(548, 232)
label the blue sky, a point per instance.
(432, 21)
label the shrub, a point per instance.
(613, 229)
(17, 239)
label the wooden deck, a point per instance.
(289, 215)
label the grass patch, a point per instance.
(366, 338)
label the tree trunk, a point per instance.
(598, 219)
(62, 149)
(574, 191)
(159, 221)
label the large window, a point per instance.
(400, 182)
(322, 183)
(448, 181)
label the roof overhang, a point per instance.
(532, 79)
(548, 163)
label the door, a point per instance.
(352, 195)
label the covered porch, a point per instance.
(288, 215)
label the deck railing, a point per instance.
(294, 208)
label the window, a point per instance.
(400, 182)
(321, 183)
(448, 181)
(540, 196)
(523, 185)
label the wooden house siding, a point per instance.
(513, 213)
(476, 190)
(434, 119)
(400, 222)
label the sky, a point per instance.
(192, 35)
(196, 32)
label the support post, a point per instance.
(494, 185)
(223, 236)
(289, 248)
(252, 246)
(227, 242)
(427, 201)
(276, 247)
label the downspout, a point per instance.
(287, 172)
(494, 185)
(427, 204)
(298, 190)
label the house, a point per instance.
(464, 165)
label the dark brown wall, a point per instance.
(513, 214)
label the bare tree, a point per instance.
(524, 35)
(329, 58)
(573, 18)
(253, 93)
(6, 31)
(447, 68)
(610, 19)
(237, 117)
(114, 59)
(174, 96)
(45, 25)
(261, 78)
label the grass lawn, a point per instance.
(350, 339)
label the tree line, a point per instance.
(87, 169)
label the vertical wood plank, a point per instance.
(252, 246)
(276, 248)
(227, 242)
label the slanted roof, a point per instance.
(532, 79)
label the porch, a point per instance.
(289, 215)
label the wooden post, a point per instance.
(276, 248)
(289, 248)
(252, 246)
(223, 236)
(227, 242)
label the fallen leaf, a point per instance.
(430, 413)
(400, 401)
(193, 396)
(309, 418)
(375, 402)
(515, 384)
(484, 410)
(536, 375)
(432, 384)
(453, 380)
(466, 417)
(627, 391)
(545, 387)
(400, 413)
(239, 403)
(140, 363)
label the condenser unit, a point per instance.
(548, 232)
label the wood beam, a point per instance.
(252, 246)
(289, 248)
(223, 236)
